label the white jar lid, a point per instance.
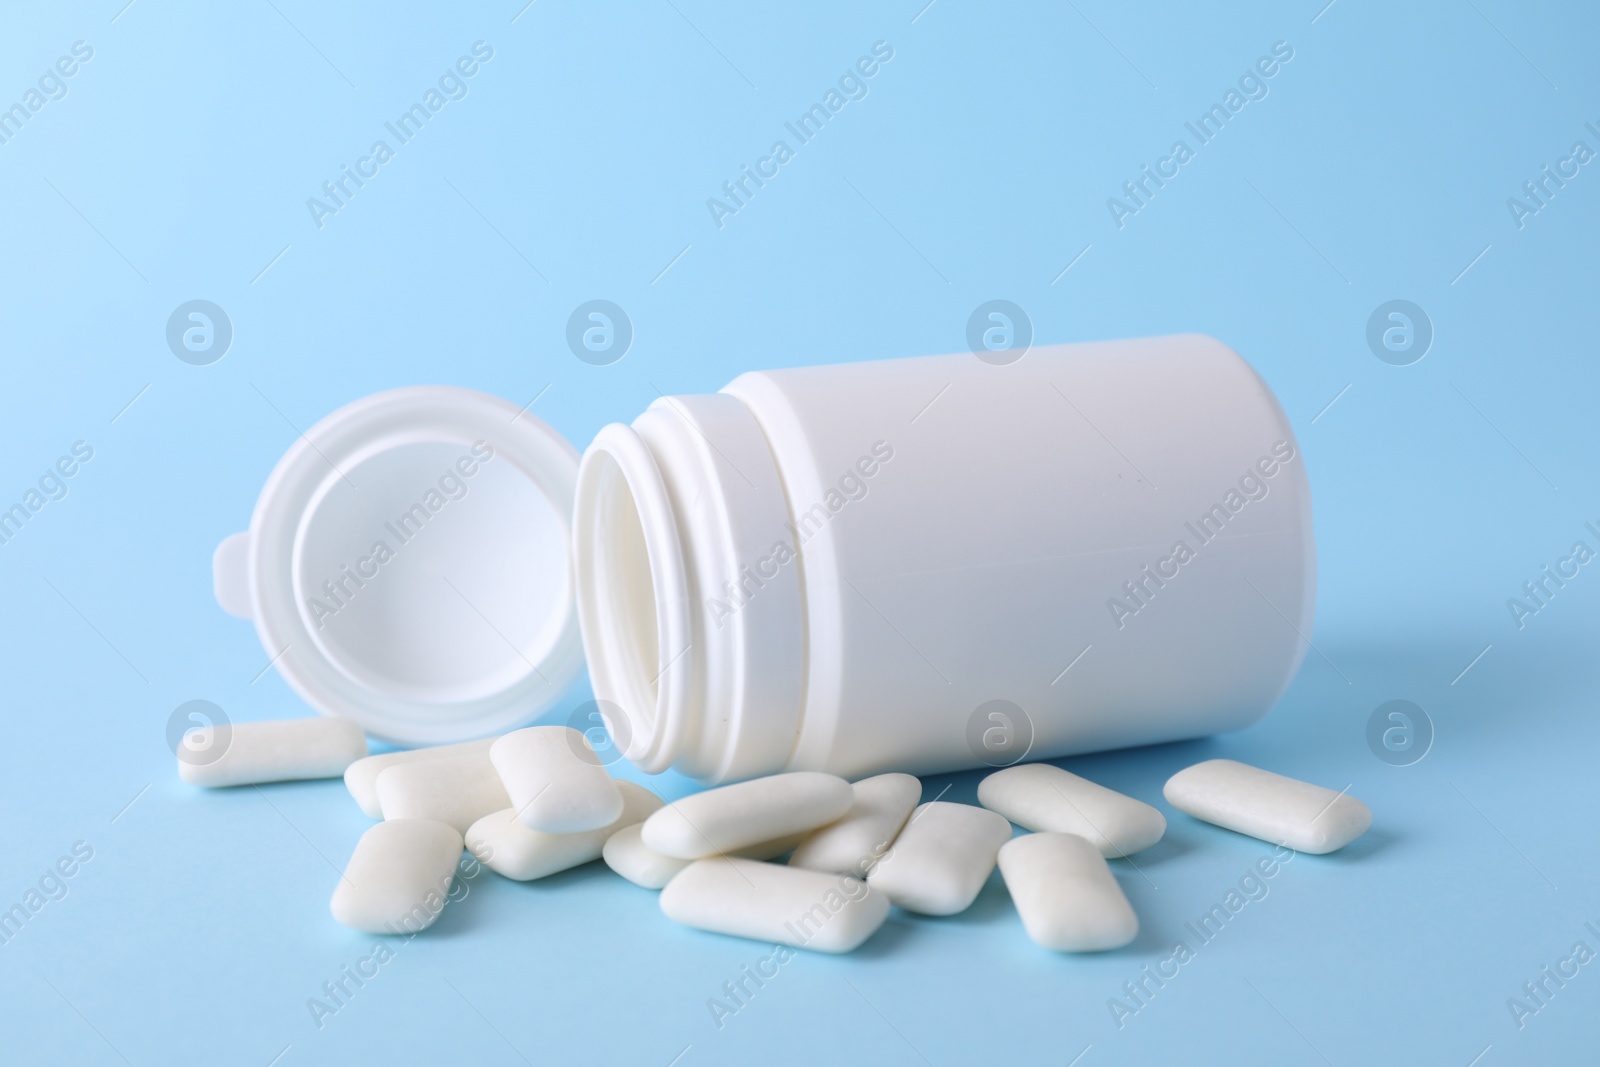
(408, 565)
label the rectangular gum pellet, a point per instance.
(776, 904)
(771, 850)
(398, 877)
(1276, 809)
(283, 750)
(1044, 798)
(879, 808)
(458, 790)
(1066, 894)
(502, 843)
(555, 783)
(733, 817)
(627, 854)
(939, 862)
(361, 777)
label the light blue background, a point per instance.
(178, 166)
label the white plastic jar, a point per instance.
(934, 563)
(913, 564)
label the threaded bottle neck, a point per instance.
(695, 640)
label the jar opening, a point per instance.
(626, 587)
(632, 597)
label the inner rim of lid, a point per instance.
(357, 466)
(423, 570)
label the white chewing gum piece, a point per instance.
(361, 777)
(503, 844)
(771, 850)
(555, 781)
(1066, 894)
(1045, 798)
(283, 750)
(458, 790)
(734, 817)
(879, 807)
(1278, 810)
(398, 877)
(776, 904)
(942, 857)
(626, 853)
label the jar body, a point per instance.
(1097, 546)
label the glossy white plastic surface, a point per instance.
(841, 568)
(407, 565)
(854, 568)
